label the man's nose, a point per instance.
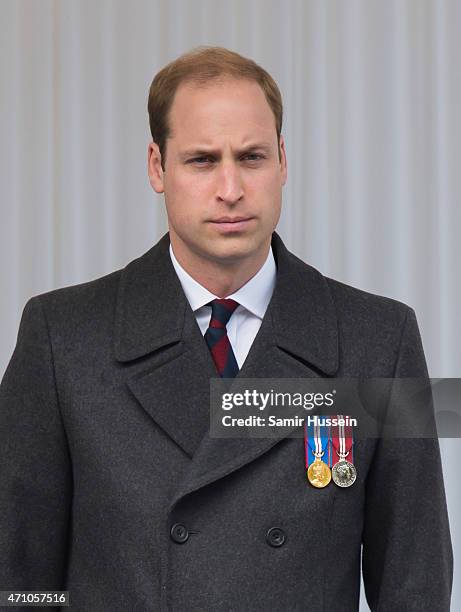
(230, 185)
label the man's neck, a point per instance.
(220, 278)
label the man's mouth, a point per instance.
(231, 224)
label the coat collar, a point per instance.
(151, 308)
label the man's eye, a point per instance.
(201, 160)
(253, 156)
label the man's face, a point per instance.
(223, 178)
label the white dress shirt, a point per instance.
(253, 299)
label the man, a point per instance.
(111, 485)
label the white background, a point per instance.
(372, 94)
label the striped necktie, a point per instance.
(217, 340)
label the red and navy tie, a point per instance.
(217, 340)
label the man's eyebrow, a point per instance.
(199, 151)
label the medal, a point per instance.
(343, 472)
(316, 439)
(319, 474)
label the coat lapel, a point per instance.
(169, 365)
(158, 339)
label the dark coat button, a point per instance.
(179, 533)
(276, 537)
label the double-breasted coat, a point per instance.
(112, 488)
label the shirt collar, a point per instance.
(254, 295)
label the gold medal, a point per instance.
(319, 474)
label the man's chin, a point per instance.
(234, 250)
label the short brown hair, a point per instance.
(199, 66)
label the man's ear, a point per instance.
(283, 160)
(154, 167)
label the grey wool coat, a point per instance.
(112, 488)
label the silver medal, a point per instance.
(343, 473)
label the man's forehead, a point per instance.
(192, 144)
(192, 99)
(203, 123)
(208, 147)
(245, 141)
(190, 86)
